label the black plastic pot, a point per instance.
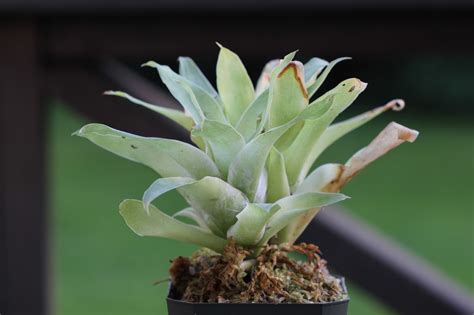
(178, 307)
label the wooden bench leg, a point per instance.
(23, 247)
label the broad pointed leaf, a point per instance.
(278, 186)
(177, 116)
(159, 224)
(251, 122)
(224, 140)
(246, 169)
(288, 98)
(298, 154)
(250, 225)
(234, 84)
(167, 157)
(217, 200)
(190, 70)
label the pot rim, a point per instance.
(343, 284)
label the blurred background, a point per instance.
(66, 248)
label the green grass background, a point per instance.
(420, 195)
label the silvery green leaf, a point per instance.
(190, 70)
(314, 86)
(293, 206)
(159, 224)
(255, 116)
(234, 84)
(250, 225)
(209, 107)
(175, 115)
(194, 215)
(312, 69)
(215, 199)
(167, 157)
(246, 169)
(288, 98)
(297, 156)
(338, 130)
(193, 98)
(250, 124)
(278, 186)
(225, 142)
(172, 81)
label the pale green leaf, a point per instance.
(298, 155)
(199, 103)
(314, 86)
(224, 140)
(338, 130)
(251, 122)
(246, 169)
(217, 200)
(167, 157)
(172, 81)
(293, 206)
(278, 186)
(288, 98)
(190, 70)
(234, 84)
(194, 215)
(175, 115)
(250, 225)
(159, 224)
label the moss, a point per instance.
(272, 277)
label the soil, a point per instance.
(271, 277)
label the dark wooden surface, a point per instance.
(22, 200)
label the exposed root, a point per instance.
(272, 277)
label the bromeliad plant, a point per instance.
(248, 177)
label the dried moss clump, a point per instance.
(272, 277)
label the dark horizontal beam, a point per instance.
(387, 34)
(137, 6)
(385, 269)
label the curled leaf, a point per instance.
(194, 215)
(157, 223)
(338, 130)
